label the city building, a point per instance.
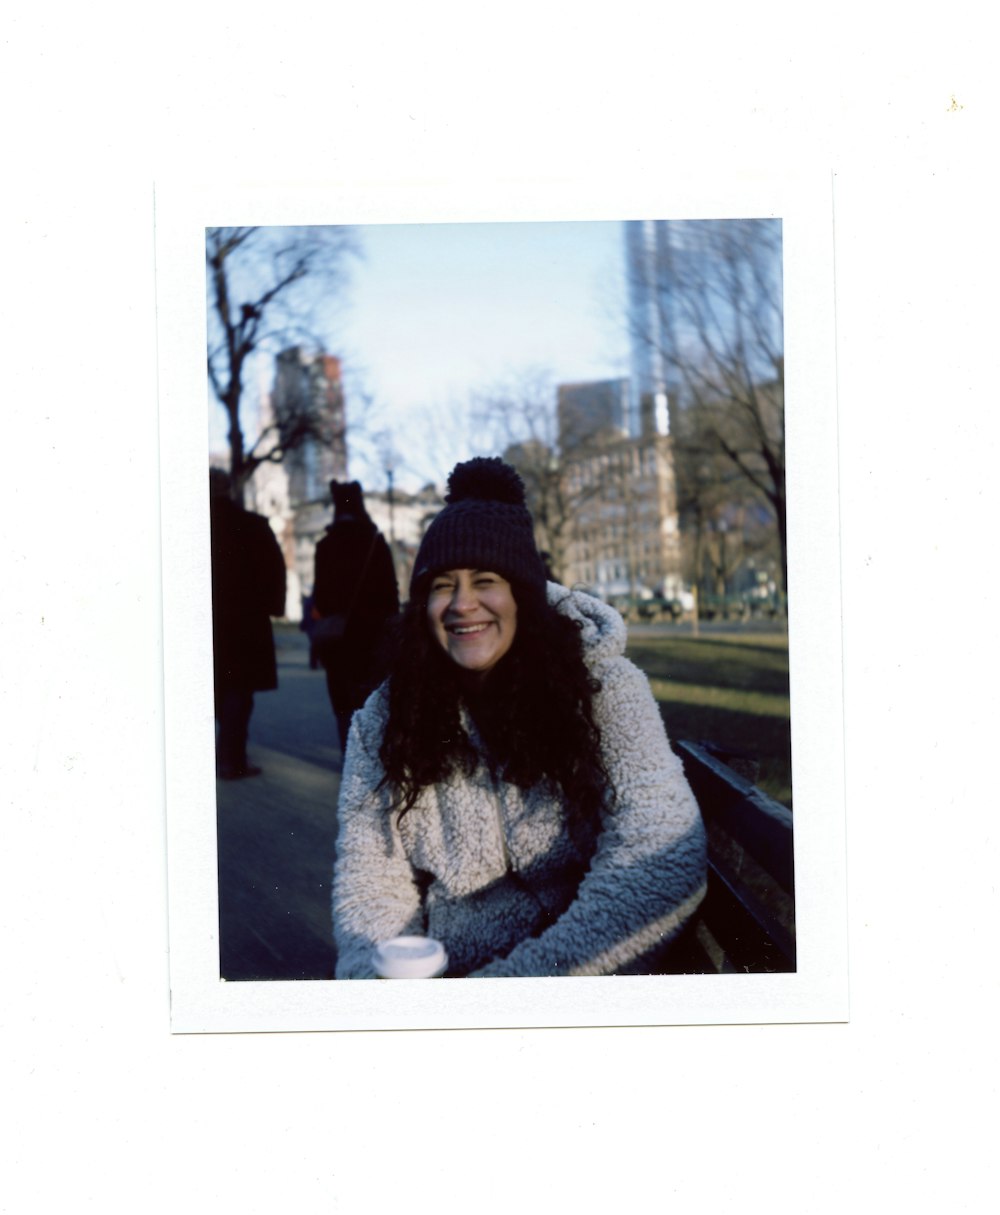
(307, 403)
(624, 537)
(646, 253)
(590, 409)
(604, 502)
(616, 463)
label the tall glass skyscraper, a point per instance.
(645, 246)
(701, 292)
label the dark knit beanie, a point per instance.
(484, 525)
(348, 497)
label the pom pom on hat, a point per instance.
(484, 525)
(486, 478)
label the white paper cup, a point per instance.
(409, 958)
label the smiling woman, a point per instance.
(510, 791)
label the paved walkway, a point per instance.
(277, 831)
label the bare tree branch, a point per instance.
(263, 285)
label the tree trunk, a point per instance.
(237, 454)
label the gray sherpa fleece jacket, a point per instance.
(493, 872)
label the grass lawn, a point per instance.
(731, 690)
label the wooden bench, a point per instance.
(747, 921)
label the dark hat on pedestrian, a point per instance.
(485, 525)
(348, 499)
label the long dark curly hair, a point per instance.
(533, 713)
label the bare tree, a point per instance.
(730, 481)
(716, 323)
(264, 288)
(519, 417)
(430, 439)
(726, 518)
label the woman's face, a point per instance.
(473, 617)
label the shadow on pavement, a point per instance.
(277, 833)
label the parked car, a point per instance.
(660, 608)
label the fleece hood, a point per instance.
(602, 628)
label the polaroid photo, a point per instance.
(389, 331)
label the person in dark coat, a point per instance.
(355, 579)
(248, 588)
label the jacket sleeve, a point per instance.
(375, 896)
(647, 876)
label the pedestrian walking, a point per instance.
(248, 588)
(355, 596)
(510, 790)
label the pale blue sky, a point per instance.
(439, 311)
(435, 312)
(439, 308)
